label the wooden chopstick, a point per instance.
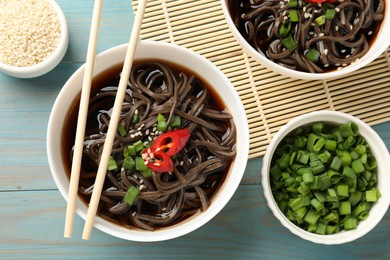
(112, 128)
(82, 119)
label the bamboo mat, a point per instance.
(270, 100)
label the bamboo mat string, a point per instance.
(270, 100)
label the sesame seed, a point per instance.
(369, 33)
(337, 9)
(150, 138)
(347, 56)
(181, 163)
(350, 26)
(142, 187)
(141, 181)
(164, 209)
(134, 214)
(147, 132)
(321, 34)
(326, 51)
(343, 50)
(35, 40)
(146, 162)
(336, 28)
(344, 64)
(144, 155)
(157, 164)
(132, 136)
(326, 65)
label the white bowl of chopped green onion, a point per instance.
(34, 37)
(324, 177)
(310, 39)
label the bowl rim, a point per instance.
(383, 158)
(231, 182)
(371, 55)
(51, 61)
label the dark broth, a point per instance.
(111, 77)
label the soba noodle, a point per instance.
(156, 88)
(339, 37)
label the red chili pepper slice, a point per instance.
(157, 161)
(171, 142)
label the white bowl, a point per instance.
(182, 57)
(51, 61)
(379, 151)
(381, 43)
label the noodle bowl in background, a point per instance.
(154, 217)
(310, 39)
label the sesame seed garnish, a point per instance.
(181, 163)
(326, 51)
(321, 34)
(134, 214)
(337, 9)
(157, 164)
(136, 112)
(369, 33)
(142, 187)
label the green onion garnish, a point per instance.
(312, 55)
(131, 195)
(330, 13)
(292, 3)
(293, 14)
(284, 29)
(112, 165)
(320, 20)
(289, 43)
(121, 130)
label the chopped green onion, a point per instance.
(357, 166)
(162, 126)
(293, 14)
(345, 208)
(299, 202)
(128, 163)
(138, 146)
(312, 55)
(336, 163)
(289, 43)
(330, 13)
(372, 195)
(140, 164)
(320, 20)
(334, 177)
(161, 118)
(350, 223)
(130, 151)
(342, 190)
(148, 173)
(112, 165)
(136, 118)
(131, 195)
(284, 29)
(121, 130)
(330, 145)
(312, 217)
(324, 157)
(176, 122)
(293, 3)
(349, 129)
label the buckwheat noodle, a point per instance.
(166, 198)
(340, 41)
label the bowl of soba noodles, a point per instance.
(180, 150)
(310, 39)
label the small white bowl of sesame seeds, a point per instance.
(34, 37)
(310, 39)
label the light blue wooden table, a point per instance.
(32, 210)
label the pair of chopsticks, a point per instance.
(82, 119)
